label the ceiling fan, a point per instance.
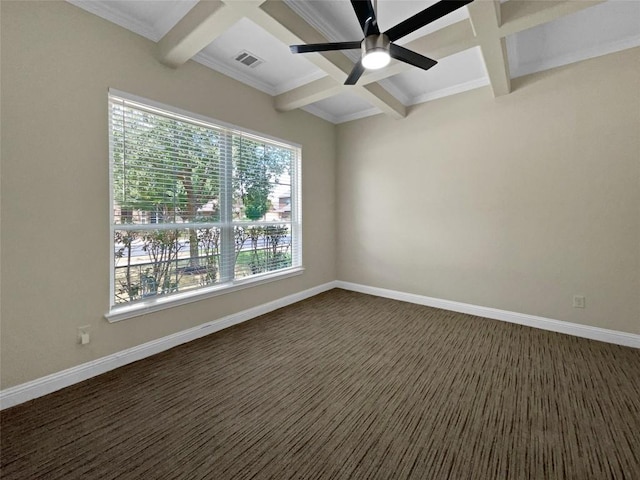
(378, 48)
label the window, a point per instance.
(198, 207)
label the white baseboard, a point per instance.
(585, 331)
(56, 381)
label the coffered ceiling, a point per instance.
(486, 43)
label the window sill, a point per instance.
(162, 303)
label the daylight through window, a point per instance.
(197, 206)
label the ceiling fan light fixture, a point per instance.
(376, 60)
(375, 52)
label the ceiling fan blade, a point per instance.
(366, 16)
(355, 74)
(412, 58)
(425, 17)
(324, 47)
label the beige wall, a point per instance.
(515, 203)
(57, 65)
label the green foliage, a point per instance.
(256, 205)
(163, 247)
(209, 241)
(164, 166)
(127, 286)
(272, 255)
(171, 168)
(257, 167)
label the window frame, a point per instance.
(119, 312)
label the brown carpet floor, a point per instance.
(345, 386)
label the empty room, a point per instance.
(326, 239)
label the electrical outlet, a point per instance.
(83, 335)
(578, 301)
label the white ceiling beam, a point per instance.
(306, 94)
(375, 94)
(198, 28)
(449, 40)
(519, 15)
(485, 18)
(283, 23)
(493, 21)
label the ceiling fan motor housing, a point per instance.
(375, 44)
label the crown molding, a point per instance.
(173, 16)
(337, 119)
(298, 82)
(446, 92)
(313, 110)
(428, 96)
(214, 64)
(369, 112)
(107, 12)
(307, 13)
(394, 90)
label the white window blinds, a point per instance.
(196, 205)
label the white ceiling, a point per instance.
(597, 30)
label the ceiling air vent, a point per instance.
(248, 59)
